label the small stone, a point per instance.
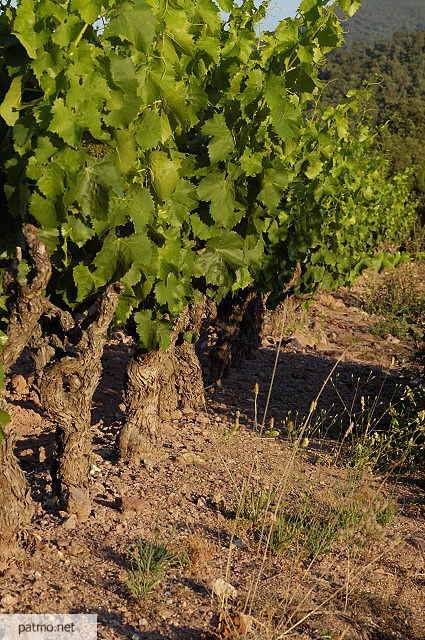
(191, 458)
(77, 501)
(8, 600)
(322, 345)
(176, 415)
(218, 502)
(300, 340)
(42, 457)
(149, 463)
(222, 589)
(98, 487)
(94, 469)
(69, 522)
(62, 543)
(50, 503)
(9, 572)
(166, 614)
(126, 504)
(202, 417)
(76, 549)
(240, 544)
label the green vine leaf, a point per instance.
(134, 22)
(9, 108)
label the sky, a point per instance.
(278, 10)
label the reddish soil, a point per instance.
(376, 591)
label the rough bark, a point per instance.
(158, 383)
(239, 324)
(66, 390)
(16, 506)
(28, 303)
(286, 314)
(44, 344)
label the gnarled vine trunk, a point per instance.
(16, 506)
(156, 384)
(66, 391)
(238, 326)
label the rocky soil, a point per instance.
(191, 485)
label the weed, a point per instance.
(308, 527)
(322, 534)
(387, 437)
(150, 561)
(385, 511)
(297, 523)
(284, 532)
(399, 299)
(199, 550)
(383, 435)
(253, 504)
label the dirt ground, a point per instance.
(191, 484)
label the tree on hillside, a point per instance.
(395, 70)
(378, 20)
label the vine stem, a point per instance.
(80, 35)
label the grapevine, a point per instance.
(168, 151)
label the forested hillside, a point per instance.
(379, 19)
(396, 69)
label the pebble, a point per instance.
(202, 417)
(50, 503)
(69, 522)
(222, 588)
(62, 543)
(191, 458)
(77, 501)
(166, 614)
(76, 549)
(10, 572)
(127, 504)
(8, 600)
